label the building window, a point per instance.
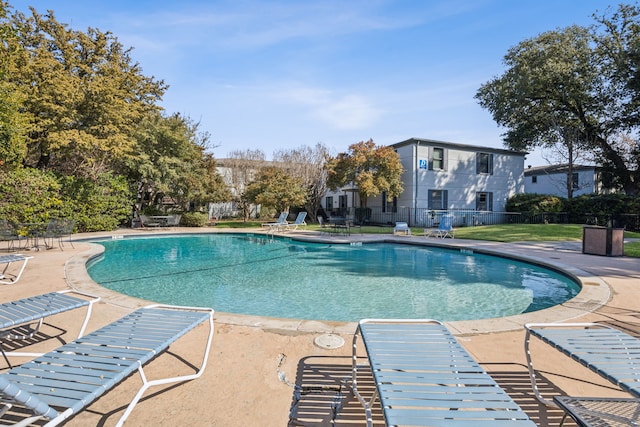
(484, 163)
(328, 203)
(484, 201)
(437, 158)
(438, 200)
(574, 181)
(534, 179)
(342, 204)
(389, 206)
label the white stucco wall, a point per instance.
(556, 183)
(459, 177)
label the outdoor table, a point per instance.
(340, 225)
(160, 219)
(33, 231)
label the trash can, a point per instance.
(605, 241)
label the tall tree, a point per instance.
(240, 169)
(274, 188)
(573, 79)
(83, 94)
(173, 162)
(308, 164)
(373, 169)
(13, 123)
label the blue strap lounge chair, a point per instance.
(282, 219)
(444, 229)
(611, 353)
(7, 277)
(63, 382)
(30, 311)
(424, 377)
(294, 225)
(402, 228)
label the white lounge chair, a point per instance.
(58, 385)
(444, 229)
(424, 377)
(402, 228)
(22, 319)
(294, 225)
(9, 277)
(282, 219)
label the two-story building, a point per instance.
(443, 176)
(555, 179)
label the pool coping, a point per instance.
(594, 292)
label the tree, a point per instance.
(173, 162)
(567, 150)
(373, 169)
(274, 188)
(308, 164)
(241, 168)
(83, 95)
(576, 79)
(13, 124)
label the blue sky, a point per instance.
(281, 74)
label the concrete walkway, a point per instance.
(256, 361)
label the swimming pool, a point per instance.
(274, 277)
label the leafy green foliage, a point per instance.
(373, 169)
(75, 104)
(173, 163)
(83, 94)
(575, 81)
(274, 188)
(194, 219)
(29, 195)
(98, 205)
(535, 203)
(602, 205)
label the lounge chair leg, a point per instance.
(532, 374)
(146, 384)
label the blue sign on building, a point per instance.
(422, 164)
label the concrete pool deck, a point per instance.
(255, 361)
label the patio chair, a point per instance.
(8, 277)
(282, 219)
(402, 228)
(294, 225)
(58, 229)
(146, 221)
(17, 317)
(174, 220)
(423, 377)
(444, 229)
(58, 385)
(9, 234)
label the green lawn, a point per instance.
(495, 233)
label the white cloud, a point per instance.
(340, 111)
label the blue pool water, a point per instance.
(275, 277)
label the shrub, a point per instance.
(535, 203)
(30, 195)
(97, 206)
(194, 219)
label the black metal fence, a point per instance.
(419, 217)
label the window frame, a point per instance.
(484, 167)
(442, 199)
(488, 202)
